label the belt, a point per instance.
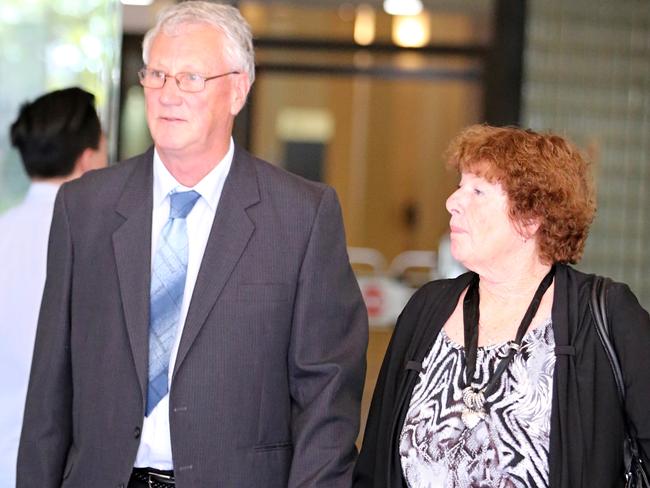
(153, 478)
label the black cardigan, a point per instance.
(586, 435)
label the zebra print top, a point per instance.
(510, 447)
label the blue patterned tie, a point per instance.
(167, 287)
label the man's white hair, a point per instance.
(239, 39)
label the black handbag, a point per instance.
(636, 475)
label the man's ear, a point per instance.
(92, 158)
(83, 161)
(240, 88)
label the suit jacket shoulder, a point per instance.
(276, 182)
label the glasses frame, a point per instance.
(142, 73)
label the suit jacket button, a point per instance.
(136, 432)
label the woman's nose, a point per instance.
(452, 203)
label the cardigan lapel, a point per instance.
(565, 460)
(132, 248)
(435, 314)
(230, 233)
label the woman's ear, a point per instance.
(528, 228)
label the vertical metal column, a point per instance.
(504, 64)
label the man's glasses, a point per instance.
(187, 82)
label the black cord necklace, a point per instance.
(474, 398)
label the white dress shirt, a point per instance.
(155, 449)
(24, 232)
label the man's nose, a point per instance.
(170, 93)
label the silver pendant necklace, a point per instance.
(476, 407)
(474, 410)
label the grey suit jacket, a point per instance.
(269, 373)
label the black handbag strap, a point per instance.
(598, 305)
(599, 311)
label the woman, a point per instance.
(497, 378)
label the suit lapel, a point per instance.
(132, 247)
(230, 233)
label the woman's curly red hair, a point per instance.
(545, 176)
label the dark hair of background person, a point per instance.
(53, 131)
(545, 176)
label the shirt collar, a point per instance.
(42, 190)
(209, 187)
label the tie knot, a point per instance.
(182, 203)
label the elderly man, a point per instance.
(201, 325)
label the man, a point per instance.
(59, 137)
(201, 325)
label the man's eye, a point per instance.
(477, 191)
(192, 77)
(154, 73)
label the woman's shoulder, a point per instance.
(619, 294)
(434, 301)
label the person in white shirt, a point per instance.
(59, 137)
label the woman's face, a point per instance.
(482, 234)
